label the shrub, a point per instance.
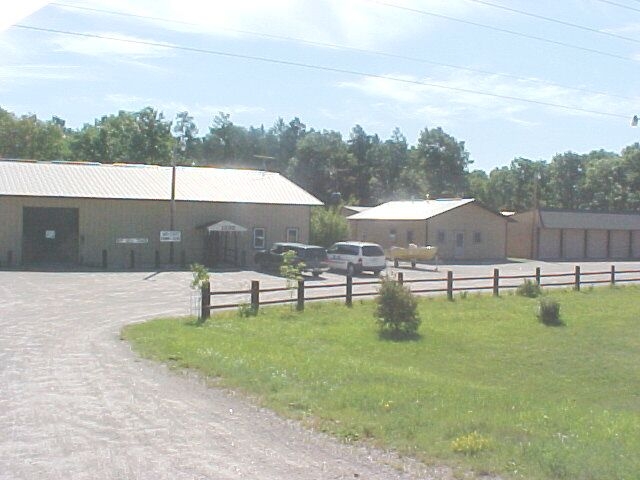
(200, 275)
(529, 289)
(328, 226)
(247, 310)
(396, 310)
(470, 444)
(549, 312)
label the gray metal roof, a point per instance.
(148, 182)
(410, 209)
(589, 220)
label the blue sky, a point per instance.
(591, 73)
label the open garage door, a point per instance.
(50, 235)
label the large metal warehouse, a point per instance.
(133, 216)
(548, 234)
(462, 229)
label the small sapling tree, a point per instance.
(396, 311)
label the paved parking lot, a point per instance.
(76, 403)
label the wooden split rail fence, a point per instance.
(301, 292)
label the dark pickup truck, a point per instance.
(313, 257)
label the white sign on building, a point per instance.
(170, 236)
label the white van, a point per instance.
(356, 257)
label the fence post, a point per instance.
(496, 282)
(613, 275)
(255, 295)
(400, 278)
(538, 275)
(450, 285)
(205, 301)
(577, 281)
(300, 305)
(349, 290)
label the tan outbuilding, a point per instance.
(131, 216)
(461, 228)
(570, 235)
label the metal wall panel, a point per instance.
(573, 244)
(596, 244)
(549, 243)
(619, 244)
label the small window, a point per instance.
(409, 236)
(372, 251)
(392, 234)
(440, 237)
(477, 237)
(259, 236)
(292, 234)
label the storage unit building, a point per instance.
(460, 228)
(571, 235)
(131, 216)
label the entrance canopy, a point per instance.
(224, 226)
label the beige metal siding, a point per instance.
(635, 247)
(520, 235)
(379, 231)
(596, 244)
(573, 246)
(468, 220)
(619, 244)
(102, 222)
(549, 244)
(10, 231)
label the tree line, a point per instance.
(363, 168)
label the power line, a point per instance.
(352, 49)
(318, 67)
(504, 30)
(627, 7)
(555, 20)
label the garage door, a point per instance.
(597, 244)
(549, 246)
(573, 244)
(619, 246)
(50, 235)
(636, 244)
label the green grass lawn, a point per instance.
(486, 386)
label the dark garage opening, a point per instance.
(50, 235)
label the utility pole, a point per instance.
(180, 143)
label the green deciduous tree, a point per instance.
(323, 165)
(566, 179)
(442, 162)
(328, 226)
(28, 137)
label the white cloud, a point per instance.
(38, 72)
(357, 23)
(12, 12)
(116, 44)
(203, 114)
(454, 95)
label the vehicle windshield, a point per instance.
(372, 251)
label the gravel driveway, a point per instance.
(76, 403)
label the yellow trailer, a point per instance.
(412, 253)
